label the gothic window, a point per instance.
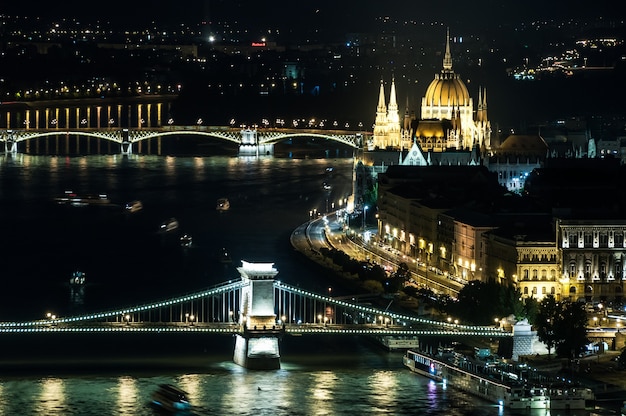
(526, 274)
(552, 290)
(544, 274)
(573, 240)
(587, 270)
(588, 240)
(534, 290)
(552, 274)
(619, 240)
(543, 290)
(572, 270)
(535, 274)
(526, 291)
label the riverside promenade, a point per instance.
(599, 371)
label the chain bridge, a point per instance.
(258, 310)
(251, 141)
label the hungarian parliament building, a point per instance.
(548, 218)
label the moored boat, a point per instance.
(496, 384)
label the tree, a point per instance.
(548, 317)
(373, 286)
(481, 302)
(531, 309)
(571, 330)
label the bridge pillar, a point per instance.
(250, 145)
(10, 143)
(127, 146)
(523, 339)
(257, 348)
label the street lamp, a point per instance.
(364, 216)
(191, 319)
(319, 318)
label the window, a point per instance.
(604, 240)
(572, 270)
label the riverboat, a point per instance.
(78, 278)
(77, 200)
(496, 385)
(186, 240)
(395, 343)
(171, 399)
(223, 204)
(224, 256)
(169, 225)
(134, 206)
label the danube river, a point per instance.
(127, 261)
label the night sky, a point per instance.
(348, 13)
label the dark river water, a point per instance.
(127, 261)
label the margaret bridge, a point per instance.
(250, 140)
(258, 310)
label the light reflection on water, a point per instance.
(241, 392)
(269, 198)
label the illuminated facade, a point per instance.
(525, 258)
(592, 258)
(448, 118)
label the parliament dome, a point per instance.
(447, 90)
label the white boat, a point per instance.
(171, 399)
(169, 225)
(394, 343)
(77, 200)
(223, 204)
(77, 279)
(496, 385)
(134, 206)
(185, 240)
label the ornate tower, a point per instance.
(380, 138)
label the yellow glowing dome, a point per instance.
(445, 90)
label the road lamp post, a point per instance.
(364, 216)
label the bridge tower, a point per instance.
(257, 347)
